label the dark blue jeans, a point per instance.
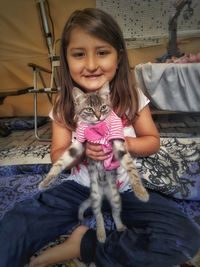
(158, 233)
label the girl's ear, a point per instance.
(77, 95)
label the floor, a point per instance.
(26, 137)
(180, 124)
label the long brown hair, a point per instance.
(123, 93)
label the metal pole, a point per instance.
(45, 23)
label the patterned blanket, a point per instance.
(175, 169)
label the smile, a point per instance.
(92, 76)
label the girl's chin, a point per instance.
(92, 86)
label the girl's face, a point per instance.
(91, 61)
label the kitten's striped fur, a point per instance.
(95, 107)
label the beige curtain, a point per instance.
(22, 41)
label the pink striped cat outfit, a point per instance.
(103, 133)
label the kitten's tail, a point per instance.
(84, 205)
(135, 179)
(74, 151)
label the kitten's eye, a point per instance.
(89, 110)
(103, 108)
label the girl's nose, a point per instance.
(91, 63)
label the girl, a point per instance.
(158, 234)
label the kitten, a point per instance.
(94, 115)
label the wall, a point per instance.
(149, 54)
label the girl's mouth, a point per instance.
(92, 76)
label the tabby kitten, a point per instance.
(92, 110)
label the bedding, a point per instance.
(23, 123)
(170, 86)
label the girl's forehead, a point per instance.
(79, 36)
(79, 31)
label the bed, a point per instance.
(171, 86)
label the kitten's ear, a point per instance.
(77, 95)
(105, 89)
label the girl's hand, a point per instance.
(95, 151)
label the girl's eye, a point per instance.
(103, 52)
(78, 54)
(103, 108)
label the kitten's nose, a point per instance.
(98, 115)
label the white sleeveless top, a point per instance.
(80, 174)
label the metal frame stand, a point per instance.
(37, 71)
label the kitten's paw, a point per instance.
(43, 185)
(122, 228)
(142, 194)
(101, 236)
(101, 239)
(46, 182)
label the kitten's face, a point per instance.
(92, 107)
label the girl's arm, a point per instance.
(147, 141)
(61, 140)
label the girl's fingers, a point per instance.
(101, 158)
(95, 152)
(94, 147)
(96, 155)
